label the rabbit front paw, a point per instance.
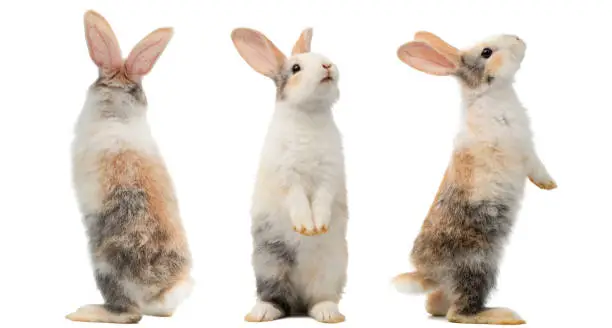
(304, 225)
(546, 184)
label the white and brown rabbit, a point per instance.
(457, 253)
(299, 212)
(138, 247)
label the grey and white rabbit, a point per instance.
(299, 211)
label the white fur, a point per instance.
(171, 300)
(95, 135)
(263, 311)
(408, 287)
(326, 312)
(494, 117)
(301, 183)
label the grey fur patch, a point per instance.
(488, 218)
(462, 243)
(115, 82)
(273, 261)
(471, 228)
(275, 247)
(127, 236)
(280, 292)
(472, 71)
(115, 299)
(280, 80)
(281, 250)
(473, 285)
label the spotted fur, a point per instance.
(459, 247)
(138, 247)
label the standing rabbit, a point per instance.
(458, 250)
(299, 212)
(138, 247)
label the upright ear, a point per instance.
(423, 57)
(259, 52)
(303, 43)
(437, 43)
(144, 55)
(103, 45)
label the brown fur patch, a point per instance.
(494, 63)
(440, 224)
(462, 168)
(437, 303)
(130, 169)
(97, 313)
(497, 316)
(293, 80)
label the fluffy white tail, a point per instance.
(413, 283)
(168, 303)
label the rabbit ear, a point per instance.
(144, 55)
(259, 52)
(103, 45)
(437, 43)
(303, 43)
(423, 57)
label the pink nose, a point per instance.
(327, 66)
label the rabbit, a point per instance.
(139, 251)
(458, 250)
(299, 206)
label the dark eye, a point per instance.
(486, 53)
(295, 68)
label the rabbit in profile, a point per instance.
(138, 247)
(457, 252)
(299, 211)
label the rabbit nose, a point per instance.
(327, 66)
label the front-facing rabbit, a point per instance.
(457, 252)
(299, 211)
(138, 247)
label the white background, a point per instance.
(209, 112)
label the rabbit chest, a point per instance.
(304, 151)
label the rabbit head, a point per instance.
(493, 61)
(303, 79)
(119, 80)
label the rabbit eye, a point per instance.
(486, 53)
(295, 68)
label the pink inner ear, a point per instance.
(103, 48)
(427, 54)
(303, 43)
(259, 52)
(423, 57)
(144, 55)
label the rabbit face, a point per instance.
(305, 80)
(308, 78)
(497, 58)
